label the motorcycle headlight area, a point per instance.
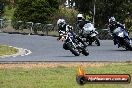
(96, 32)
(87, 31)
(121, 34)
(91, 32)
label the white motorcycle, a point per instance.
(90, 34)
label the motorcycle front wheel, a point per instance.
(85, 52)
(73, 50)
(127, 45)
(97, 42)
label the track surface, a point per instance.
(47, 48)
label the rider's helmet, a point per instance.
(61, 23)
(112, 20)
(80, 17)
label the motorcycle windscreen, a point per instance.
(120, 32)
(88, 28)
(117, 30)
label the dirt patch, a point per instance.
(55, 64)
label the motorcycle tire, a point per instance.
(127, 45)
(65, 46)
(74, 51)
(90, 43)
(96, 41)
(85, 52)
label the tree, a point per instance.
(36, 10)
(105, 9)
(84, 6)
(2, 4)
(117, 8)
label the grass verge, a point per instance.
(57, 76)
(6, 50)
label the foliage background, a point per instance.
(36, 10)
(120, 9)
(49, 11)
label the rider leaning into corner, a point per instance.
(113, 24)
(63, 28)
(81, 22)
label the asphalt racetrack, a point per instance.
(47, 48)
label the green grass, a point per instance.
(58, 77)
(54, 33)
(6, 50)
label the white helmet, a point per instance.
(61, 23)
(112, 19)
(80, 17)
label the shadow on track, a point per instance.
(66, 56)
(121, 50)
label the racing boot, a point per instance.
(115, 42)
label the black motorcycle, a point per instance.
(73, 44)
(122, 39)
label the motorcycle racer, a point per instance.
(113, 24)
(81, 22)
(63, 28)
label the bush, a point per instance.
(68, 14)
(35, 10)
